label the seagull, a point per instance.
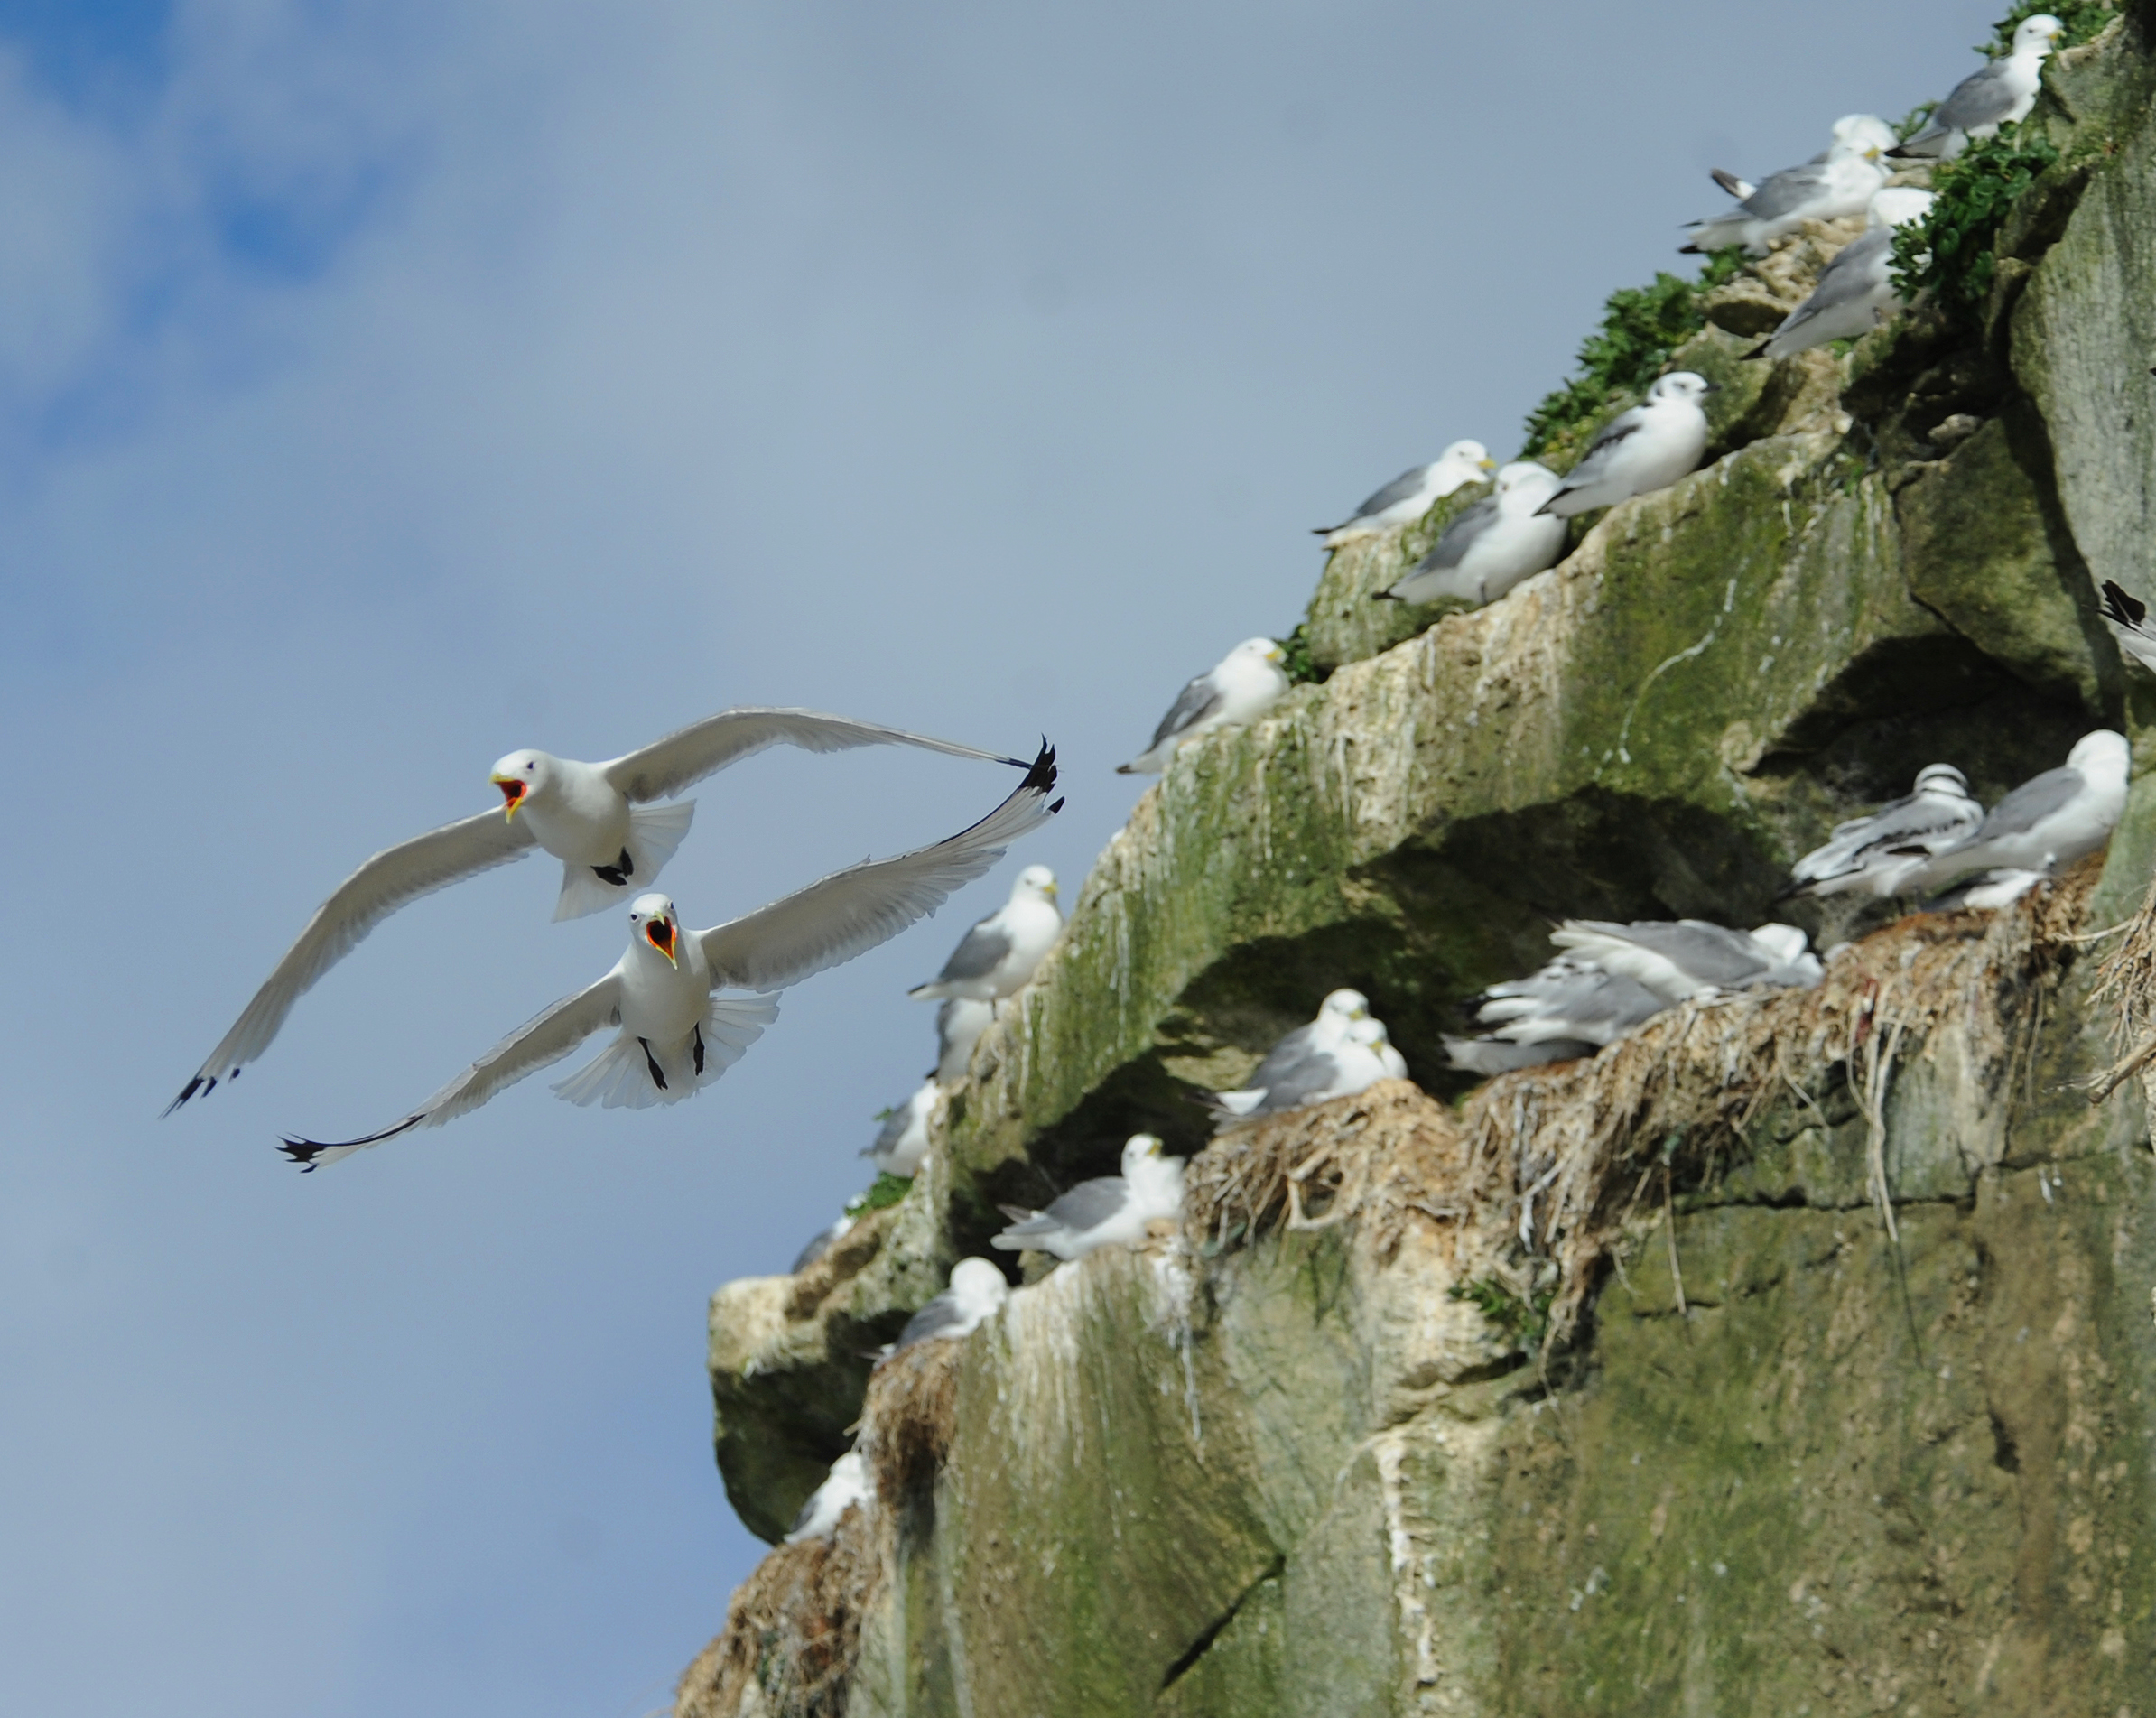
(1986, 891)
(848, 1483)
(1240, 687)
(1409, 495)
(1361, 1057)
(1692, 958)
(676, 1036)
(996, 958)
(903, 1143)
(592, 817)
(1846, 129)
(977, 1293)
(1645, 449)
(1106, 1212)
(1568, 1009)
(1492, 545)
(1855, 291)
(2000, 94)
(959, 1024)
(821, 1243)
(1338, 1012)
(2128, 618)
(1837, 184)
(1872, 854)
(2046, 823)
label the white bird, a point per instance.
(590, 816)
(902, 1144)
(1568, 1009)
(1855, 291)
(1107, 1211)
(959, 1024)
(1411, 493)
(2128, 618)
(821, 1243)
(1834, 186)
(849, 1483)
(1848, 128)
(1338, 1011)
(2046, 823)
(1872, 854)
(1357, 1059)
(2000, 94)
(997, 957)
(1647, 448)
(1240, 687)
(675, 1036)
(1492, 545)
(976, 1295)
(1692, 958)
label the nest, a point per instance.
(909, 1419)
(2128, 978)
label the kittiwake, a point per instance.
(1411, 493)
(1240, 687)
(1692, 958)
(848, 1483)
(1835, 185)
(1646, 448)
(1492, 545)
(997, 957)
(902, 1142)
(2000, 94)
(2046, 823)
(1106, 1212)
(1872, 854)
(976, 1295)
(1855, 291)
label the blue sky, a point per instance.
(385, 387)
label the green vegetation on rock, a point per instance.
(1950, 258)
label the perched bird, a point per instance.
(1855, 291)
(1692, 958)
(2046, 823)
(1355, 1061)
(959, 1024)
(1872, 854)
(1999, 95)
(1568, 1009)
(2128, 618)
(1240, 687)
(849, 1483)
(903, 1141)
(1647, 448)
(1409, 496)
(821, 1243)
(676, 1036)
(592, 817)
(996, 958)
(1832, 186)
(976, 1295)
(1492, 545)
(1338, 1011)
(1107, 1211)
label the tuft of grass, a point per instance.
(1641, 327)
(2085, 20)
(887, 1190)
(1522, 1321)
(1302, 670)
(1951, 254)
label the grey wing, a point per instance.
(2029, 804)
(1783, 193)
(1401, 488)
(689, 754)
(390, 879)
(1086, 1206)
(1709, 953)
(1594, 463)
(1298, 1082)
(1917, 822)
(979, 952)
(1459, 536)
(888, 1135)
(1197, 700)
(852, 911)
(546, 1037)
(933, 1320)
(1857, 270)
(1282, 1057)
(1982, 98)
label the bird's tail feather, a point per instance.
(619, 1077)
(584, 893)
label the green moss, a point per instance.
(884, 1192)
(1302, 668)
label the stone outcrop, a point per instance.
(1792, 1354)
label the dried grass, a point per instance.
(2128, 977)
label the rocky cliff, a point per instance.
(1792, 1355)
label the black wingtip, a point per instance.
(2121, 606)
(198, 1083)
(1125, 769)
(1758, 351)
(1689, 250)
(304, 1152)
(1386, 596)
(1900, 152)
(1040, 776)
(1055, 807)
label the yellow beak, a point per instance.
(1487, 465)
(513, 792)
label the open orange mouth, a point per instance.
(661, 936)
(513, 792)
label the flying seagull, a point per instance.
(2001, 93)
(1647, 448)
(847, 1484)
(902, 1144)
(1872, 854)
(592, 817)
(1836, 185)
(1492, 545)
(1411, 495)
(1855, 291)
(996, 958)
(676, 1036)
(1240, 687)
(1692, 958)
(2128, 618)
(976, 1295)
(2046, 823)
(1106, 1212)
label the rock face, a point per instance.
(1794, 1354)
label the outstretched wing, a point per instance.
(546, 1037)
(689, 754)
(851, 911)
(393, 878)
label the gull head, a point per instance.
(2102, 753)
(653, 922)
(1786, 941)
(2037, 35)
(1140, 1150)
(977, 1283)
(1865, 135)
(1468, 458)
(1368, 1031)
(521, 775)
(1344, 1006)
(1526, 476)
(1943, 778)
(1679, 385)
(1037, 881)
(1259, 650)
